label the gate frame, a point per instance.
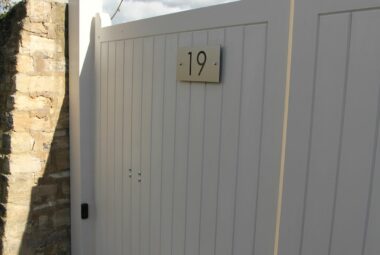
(82, 120)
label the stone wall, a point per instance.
(34, 122)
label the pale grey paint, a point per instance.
(330, 192)
(127, 148)
(82, 93)
(146, 144)
(209, 155)
(119, 107)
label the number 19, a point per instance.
(201, 60)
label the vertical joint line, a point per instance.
(342, 122)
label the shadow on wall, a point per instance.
(35, 176)
(10, 31)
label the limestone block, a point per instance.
(23, 121)
(25, 64)
(61, 133)
(37, 28)
(38, 10)
(62, 160)
(12, 245)
(45, 190)
(16, 222)
(40, 45)
(40, 85)
(58, 1)
(51, 28)
(66, 188)
(21, 142)
(43, 221)
(58, 13)
(46, 65)
(24, 163)
(26, 103)
(61, 218)
(60, 143)
(64, 119)
(20, 188)
(40, 113)
(43, 141)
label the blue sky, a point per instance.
(139, 9)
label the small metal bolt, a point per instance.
(215, 63)
(180, 64)
(130, 173)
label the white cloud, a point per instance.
(189, 4)
(139, 9)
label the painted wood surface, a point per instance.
(329, 204)
(197, 147)
(191, 168)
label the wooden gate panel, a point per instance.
(333, 129)
(190, 168)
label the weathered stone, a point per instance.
(43, 221)
(23, 121)
(58, 13)
(61, 133)
(41, 85)
(24, 163)
(41, 45)
(21, 142)
(64, 119)
(25, 64)
(61, 218)
(66, 188)
(60, 143)
(37, 28)
(26, 103)
(39, 11)
(17, 217)
(19, 191)
(43, 141)
(46, 65)
(45, 190)
(34, 137)
(62, 160)
(52, 31)
(41, 113)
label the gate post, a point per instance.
(82, 96)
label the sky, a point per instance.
(12, 2)
(139, 9)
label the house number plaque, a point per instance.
(199, 64)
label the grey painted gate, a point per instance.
(190, 168)
(331, 202)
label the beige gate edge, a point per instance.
(285, 127)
